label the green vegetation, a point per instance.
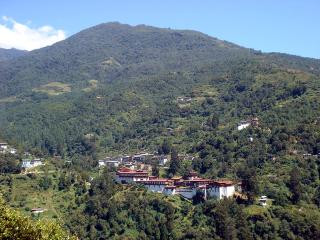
(15, 226)
(141, 73)
(9, 54)
(93, 84)
(53, 88)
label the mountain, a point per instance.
(9, 54)
(137, 73)
(114, 51)
(116, 89)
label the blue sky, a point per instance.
(290, 26)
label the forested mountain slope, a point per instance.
(122, 83)
(115, 89)
(113, 51)
(9, 54)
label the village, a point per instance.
(135, 169)
(28, 161)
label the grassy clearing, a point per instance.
(26, 194)
(8, 100)
(289, 77)
(110, 62)
(54, 88)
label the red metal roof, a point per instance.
(128, 172)
(157, 181)
(223, 182)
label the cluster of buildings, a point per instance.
(6, 148)
(246, 123)
(186, 188)
(28, 163)
(132, 161)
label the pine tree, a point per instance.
(155, 170)
(250, 184)
(174, 163)
(295, 185)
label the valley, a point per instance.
(210, 107)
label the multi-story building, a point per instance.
(126, 175)
(186, 188)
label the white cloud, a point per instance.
(22, 36)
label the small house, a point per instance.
(243, 124)
(3, 145)
(263, 201)
(27, 163)
(112, 163)
(38, 210)
(163, 160)
(101, 163)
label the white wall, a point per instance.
(169, 191)
(155, 188)
(186, 192)
(221, 192)
(243, 126)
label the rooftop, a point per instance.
(129, 171)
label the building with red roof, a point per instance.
(127, 175)
(176, 185)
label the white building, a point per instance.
(252, 122)
(109, 163)
(126, 175)
(211, 188)
(38, 210)
(101, 163)
(4, 146)
(221, 189)
(112, 163)
(27, 163)
(243, 125)
(142, 157)
(263, 201)
(126, 158)
(163, 160)
(186, 188)
(12, 150)
(169, 190)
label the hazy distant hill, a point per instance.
(9, 54)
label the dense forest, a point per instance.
(9, 54)
(115, 89)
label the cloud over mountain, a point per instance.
(22, 36)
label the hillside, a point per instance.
(9, 54)
(116, 89)
(16, 226)
(113, 52)
(137, 73)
